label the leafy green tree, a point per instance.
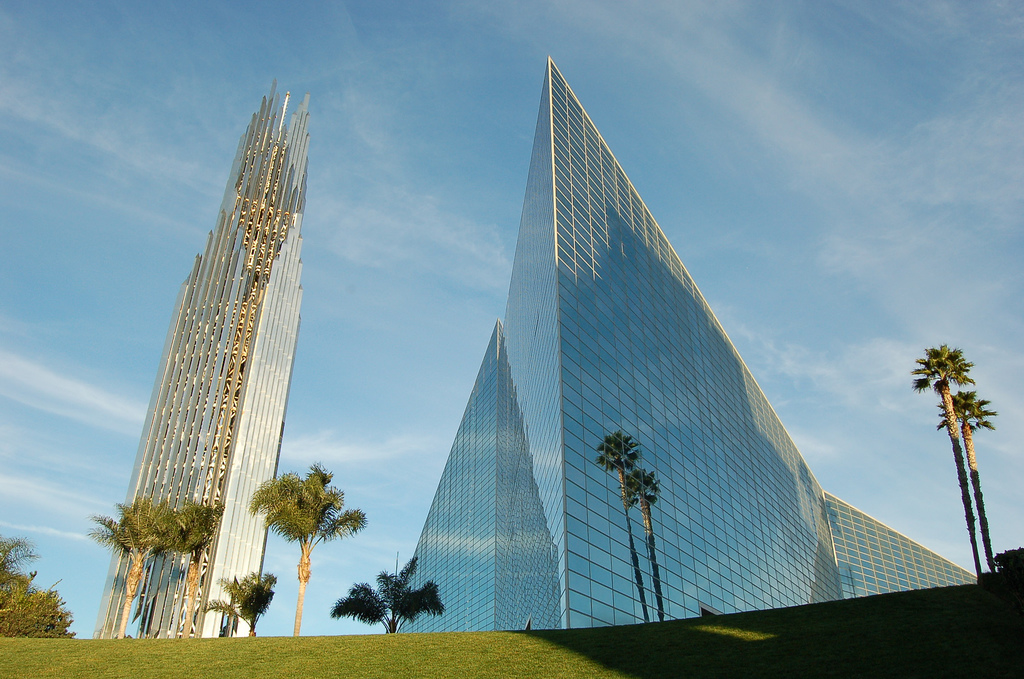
(26, 611)
(138, 534)
(190, 531)
(393, 603)
(939, 369)
(307, 511)
(248, 599)
(973, 414)
(644, 489)
(1010, 565)
(15, 553)
(618, 454)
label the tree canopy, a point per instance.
(138, 533)
(248, 598)
(308, 511)
(392, 603)
(26, 610)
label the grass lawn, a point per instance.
(948, 632)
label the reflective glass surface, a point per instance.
(607, 332)
(485, 542)
(875, 559)
(740, 520)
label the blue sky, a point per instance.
(844, 180)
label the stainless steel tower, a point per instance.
(216, 417)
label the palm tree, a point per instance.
(14, 554)
(309, 512)
(190, 532)
(248, 599)
(137, 534)
(619, 453)
(973, 414)
(939, 369)
(393, 603)
(643, 489)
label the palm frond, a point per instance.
(393, 602)
(362, 604)
(226, 607)
(973, 411)
(642, 483)
(15, 553)
(306, 509)
(618, 452)
(941, 367)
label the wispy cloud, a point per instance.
(37, 90)
(37, 495)
(45, 530)
(881, 367)
(395, 474)
(898, 185)
(403, 230)
(38, 386)
(329, 447)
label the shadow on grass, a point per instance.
(952, 632)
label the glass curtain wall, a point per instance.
(486, 542)
(607, 334)
(875, 559)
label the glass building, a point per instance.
(216, 417)
(604, 332)
(875, 559)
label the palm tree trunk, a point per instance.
(131, 587)
(979, 501)
(191, 585)
(304, 573)
(961, 471)
(645, 508)
(632, 548)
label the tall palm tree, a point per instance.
(619, 453)
(190, 532)
(393, 603)
(643, 489)
(940, 368)
(307, 511)
(973, 414)
(137, 534)
(247, 600)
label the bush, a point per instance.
(1010, 565)
(26, 611)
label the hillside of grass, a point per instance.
(948, 632)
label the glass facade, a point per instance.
(486, 524)
(216, 416)
(875, 559)
(606, 332)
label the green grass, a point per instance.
(949, 632)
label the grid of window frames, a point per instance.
(606, 331)
(531, 335)
(875, 559)
(485, 542)
(740, 523)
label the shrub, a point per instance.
(1010, 564)
(26, 611)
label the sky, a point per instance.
(843, 180)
